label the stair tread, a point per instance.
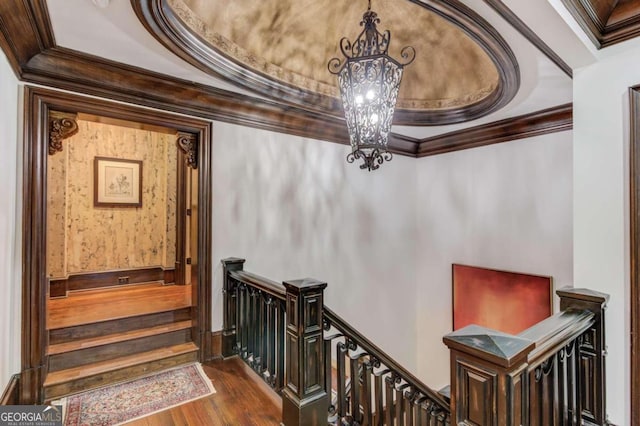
(75, 373)
(91, 306)
(117, 337)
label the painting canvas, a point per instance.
(117, 182)
(509, 302)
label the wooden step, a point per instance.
(123, 325)
(104, 305)
(92, 342)
(78, 379)
(117, 349)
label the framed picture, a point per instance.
(117, 182)
(509, 302)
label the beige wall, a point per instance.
(82, 238)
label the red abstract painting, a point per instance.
(506, 301)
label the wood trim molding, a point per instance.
(38, 104)
(216, 344)
(634, 215)
(11, 394)
(91, 280)
(602, 26)
(160, 20)
(37, 62)
(551, 120)
(517, 23)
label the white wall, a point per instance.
(294, 208)
(10, 225)
(506, 206)
(601, 206)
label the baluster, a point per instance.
(561, 406)
(367, 371)
(230, 306)
(379, 398)
(246, 335)
(571, 383)
(242, 320)
(400, 404)
(418, 413)
(389, 391)
(260, 347)
(281, 327)
(427, 410)
(547, 392)
(535, 402)
(255, 295)
(409, 398)
(328, 375)
(354, 368)
(341, 350)
(269, 340)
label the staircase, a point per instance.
(103, 336)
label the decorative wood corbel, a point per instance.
(62, 125)
(189, 145)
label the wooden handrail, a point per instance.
(348, 331)
(268, 286)
(553, 333)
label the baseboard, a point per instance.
(216, 344)
(60, 287)
(11, 395)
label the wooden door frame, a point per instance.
(38, 102)
(634, 224)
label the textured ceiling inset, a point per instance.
(280, 49)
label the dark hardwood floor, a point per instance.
(237, 401)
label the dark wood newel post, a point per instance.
(229, 305)
(488, 376)
(304, 400)
(593, 351)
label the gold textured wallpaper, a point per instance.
(82, 238)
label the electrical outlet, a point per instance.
(123, 280)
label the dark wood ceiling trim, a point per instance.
(508, 15)
(78, 72)
(160, 20)
(538, 123)
(594, 19)
(25, 30)
(71, 70)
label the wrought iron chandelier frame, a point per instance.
(369, 81)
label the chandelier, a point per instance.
(369, 80)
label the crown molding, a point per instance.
(517, 23)
(26, 38)
(551, 120)
(161, 21)
(604, 25)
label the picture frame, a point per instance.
(505, 301)
(117, 182)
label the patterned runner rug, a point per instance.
(114, 405)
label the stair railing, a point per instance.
(254, 327)
(371, 388)
(286, 334)
(329, 373)
(550, 374)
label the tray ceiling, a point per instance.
(280, 48)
